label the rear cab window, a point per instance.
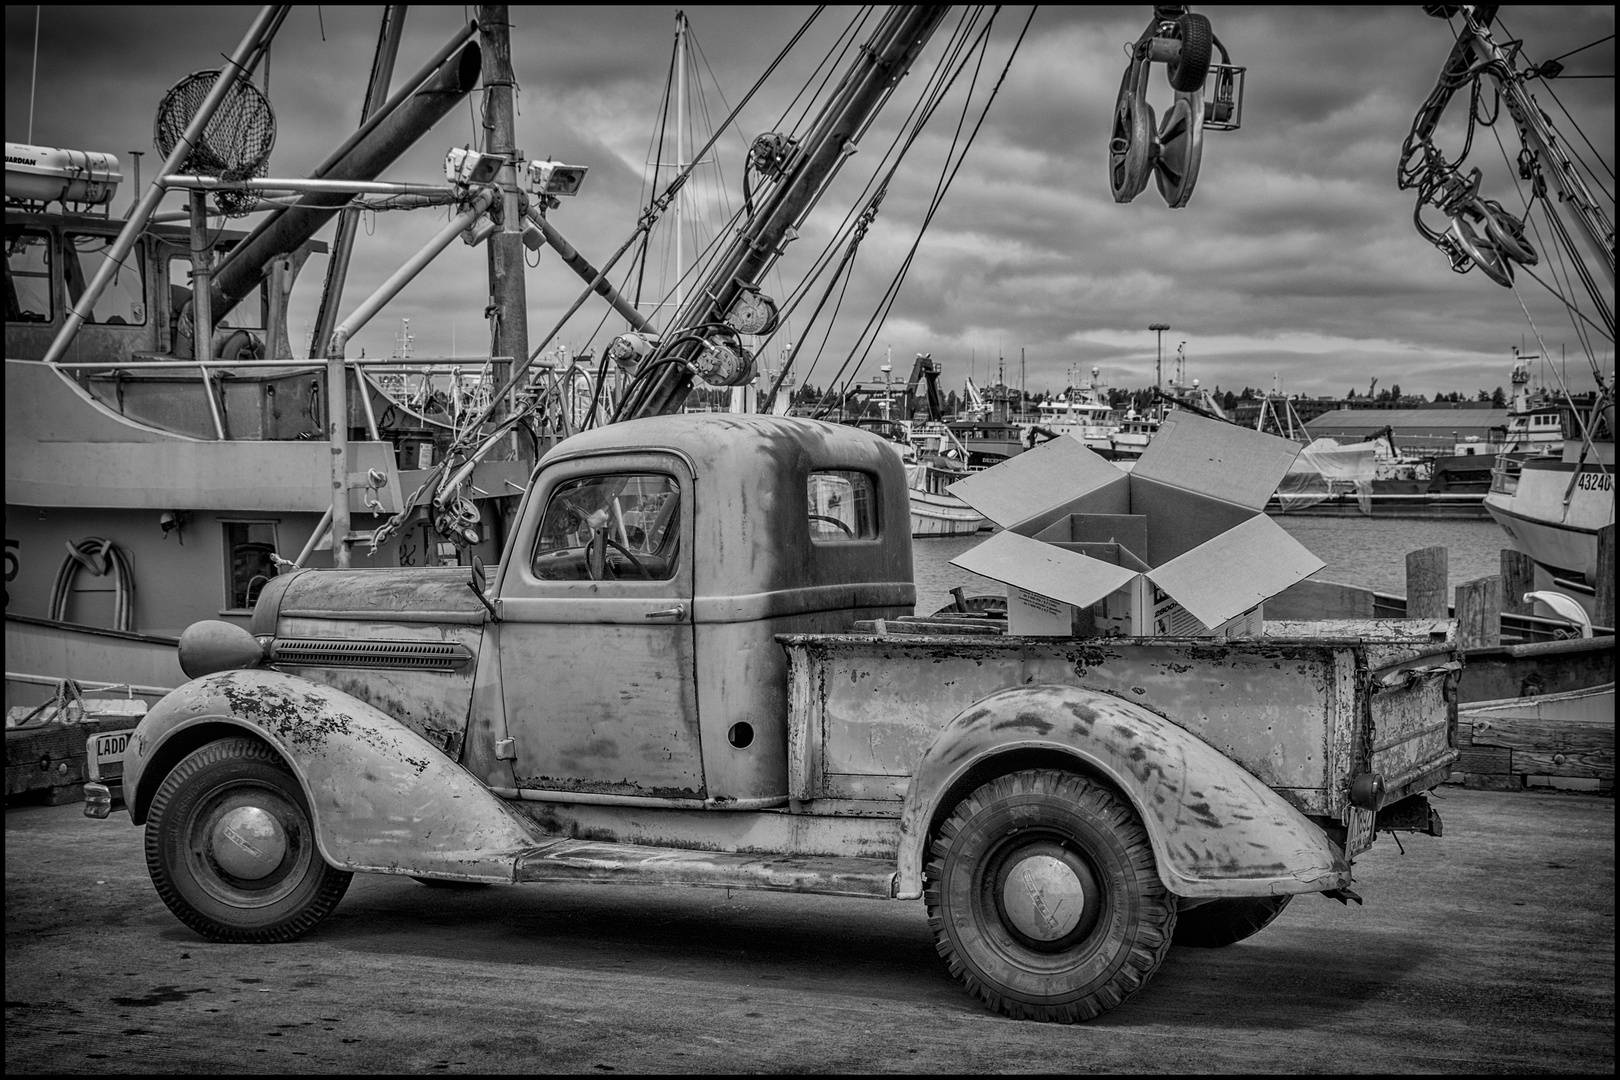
(842, 506)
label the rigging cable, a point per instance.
(905, 135)
(887, 303)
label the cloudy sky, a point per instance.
(1295, 260)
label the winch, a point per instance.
(1171, 151)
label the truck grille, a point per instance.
(414, 655)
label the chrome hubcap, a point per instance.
(249, 843)
(1043, 897)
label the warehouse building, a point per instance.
(1433, 430)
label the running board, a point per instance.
(634, 864)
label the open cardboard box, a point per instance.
(1177, 546)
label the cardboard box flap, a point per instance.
(1220, 460)
(1242, 567)
(1037, 481)
(1041, 568)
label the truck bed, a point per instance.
(1303, 709)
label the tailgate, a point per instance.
(1412, 723)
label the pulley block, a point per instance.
(771, 152)
(630, 349)
(1130, 148)
(1138, 146)
(1180, 149)
(722, 363)
(458, 522)
(752, 313)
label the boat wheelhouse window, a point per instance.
(842, 506)
(248, 566)
(123, 301)
(618, 526)
(250, 314)
(28, 277)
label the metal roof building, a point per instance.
(1416, 429)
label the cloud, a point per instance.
(1296, 255)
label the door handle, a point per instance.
(676, 612)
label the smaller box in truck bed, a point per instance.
(1178, 546)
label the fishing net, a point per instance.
(235, 144)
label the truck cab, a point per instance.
(651, 568)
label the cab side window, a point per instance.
(621, 526)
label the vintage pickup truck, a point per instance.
(664, 684)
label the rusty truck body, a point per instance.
(688, 668)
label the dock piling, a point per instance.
(1427, 595)
(1518, 578)
(1603, 606)
(1479, 613)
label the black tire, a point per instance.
(1188, 72)
(1224, 922)
(272, 885)
(1067, 838)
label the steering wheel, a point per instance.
(823, 517)
(596, 557)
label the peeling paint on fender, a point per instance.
(1216, 829)
(417, 812)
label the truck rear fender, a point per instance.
(383, 799)
(1216, 829)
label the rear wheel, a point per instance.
(230, 846)
(1227, 921)
(1044, 897)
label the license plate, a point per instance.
(1360, 825)
(104, 754)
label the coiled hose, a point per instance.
(97, 555)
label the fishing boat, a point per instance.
(908, 416)
(1552, 507)
(986, 428)
(167, 453)
(1082, 411)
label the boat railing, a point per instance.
(1505, 475)
(367, 371)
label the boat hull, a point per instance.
(943, 515)
(1560, 536)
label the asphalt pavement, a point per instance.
(1490, 949)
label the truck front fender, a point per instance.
(383, 798)
(1216, 829)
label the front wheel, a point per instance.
(1045, 899)
(230, 846)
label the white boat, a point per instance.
(1552, 508)
(1082, 411)
(1552, 494)
(934, 459)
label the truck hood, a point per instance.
(405, 641)
(404, 595)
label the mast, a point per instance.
(879, 66)
(507, 296)
(337, 267)
(680, 149)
